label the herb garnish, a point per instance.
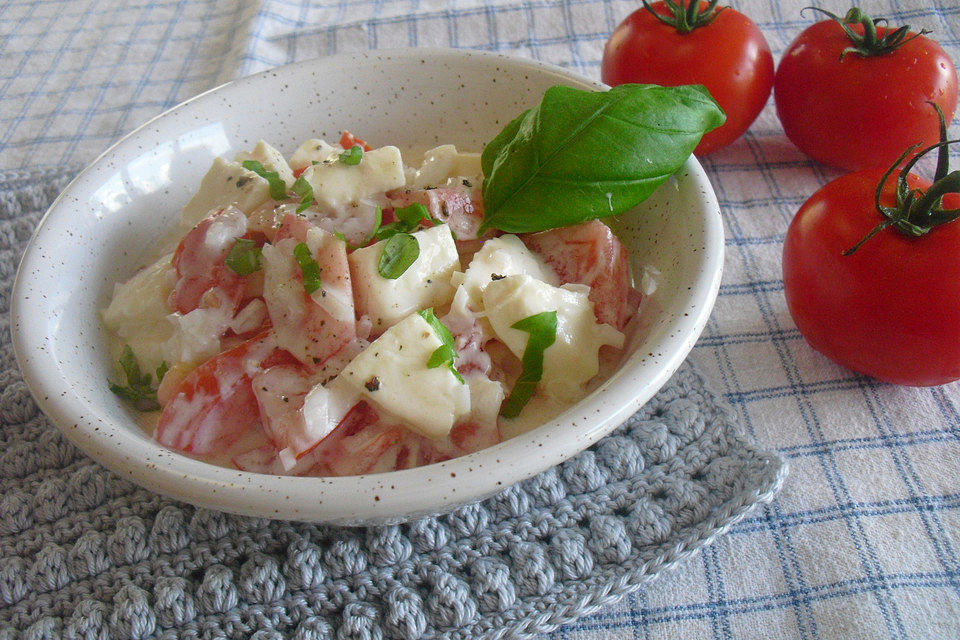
(581, 155)
(542, 328)
(304, 189)
(408, 219)
(308, 267)
(139, 390)
(278, 188)
(244, 257)
(352, 156)
(399, 252)
(445, 353)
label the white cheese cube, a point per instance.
(392, 373)
(337, 184)
(425, 283)
(443, 162)
(572, 360)
(270, 158)
(314, 151)
(502, 256)
(138, 310)
(226, 183)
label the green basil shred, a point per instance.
(542, 328)
(308, 267)
(244, 257)
(352, 156)
(399, 252)
(278, 188)
(445, 353)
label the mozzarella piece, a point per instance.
(324, 407)
(572, 360)
(486, 397)
(138, 310)
(229, 183)
(502, 256)
(314, 151)
(443, 162)
(392, 373)
(425, 283)
(336, 184)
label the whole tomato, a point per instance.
(852, 93)
(673, 44)
(891, 307)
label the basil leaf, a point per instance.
(445, 353)
(244, 257)
(139, 390)
(308, 267)
(542, 328)
(278, 188)
(400, 251)
(352, 156)
(581, 155)
(305, 190)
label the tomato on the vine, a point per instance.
(872, 276)
(670, 43)
(852, 93)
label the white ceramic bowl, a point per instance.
(103, 225)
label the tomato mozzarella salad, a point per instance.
(340, 313)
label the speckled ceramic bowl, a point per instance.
(103, 225)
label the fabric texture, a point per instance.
(861, 542)
(86, 554)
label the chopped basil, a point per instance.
(244, 257)
(581, 155)
(308, 267)
(278, 188)
(408, 219)
(139, 389)
(445, 353)
(305, 190)
(399, 252)
(542, 328)
(352, 156)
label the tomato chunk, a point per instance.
(589, 253)
(214, 404)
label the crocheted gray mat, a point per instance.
(85, 554)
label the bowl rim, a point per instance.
(369, 498)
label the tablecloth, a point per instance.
(862, 541)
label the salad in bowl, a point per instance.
(394, 299)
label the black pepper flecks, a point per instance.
(372, 384)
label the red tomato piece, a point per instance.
(729, 56)
(861, 112)
(348, 141)
(214, 404)
(891, 309)
(588, 253)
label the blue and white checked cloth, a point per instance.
(864, 539)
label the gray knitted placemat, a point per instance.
(87, 555)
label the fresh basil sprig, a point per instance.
(308, 267)
(244, 257)
(278, 188)
(542, 328)
(582, 155)
(399, 252)
(445, 353)
(139, 389)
